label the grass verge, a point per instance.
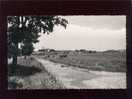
(30, 74)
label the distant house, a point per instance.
(45, 51)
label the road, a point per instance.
(77, 78)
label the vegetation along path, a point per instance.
(78, 78)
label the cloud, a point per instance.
(77, 37)
(100, 21)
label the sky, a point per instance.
(87, 32)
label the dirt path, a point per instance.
(76, 78)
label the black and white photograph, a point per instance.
(67, 52)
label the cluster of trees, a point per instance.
(25, 31)
(85, 51)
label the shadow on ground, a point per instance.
(21, 70)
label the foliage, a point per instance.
(23, 29)
(27, 48)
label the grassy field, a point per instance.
(30, 74)
(100, 61)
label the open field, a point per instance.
(80, 78)
(30, 74)
(62, 70)
(101, 61)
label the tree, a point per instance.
(23, 29)
(51, 50)
(27, 49)
(90, 51)
(82, 50)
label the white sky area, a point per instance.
(87, 32)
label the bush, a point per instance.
(62, 56)
(15, 82)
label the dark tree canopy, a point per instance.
(25, 30)
(27, 27)
(27, 48)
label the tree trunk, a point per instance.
(25, 57)
(14, 62)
